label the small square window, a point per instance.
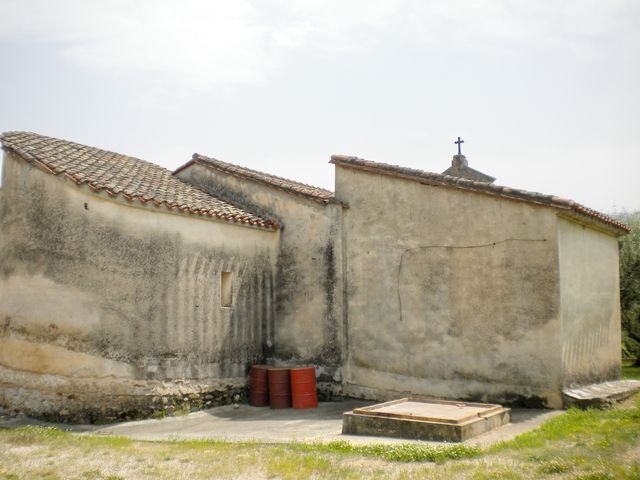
(226, 289)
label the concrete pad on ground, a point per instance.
(426, 419)
(246, 423)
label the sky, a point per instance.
(545, 94)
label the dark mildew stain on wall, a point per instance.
(156, 294)
(331, 352)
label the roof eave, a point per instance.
(201, 161)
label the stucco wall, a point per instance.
(451, 294)
(308, 326)
(590, 298)
(99, 296)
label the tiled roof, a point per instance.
(314, 193)
(439, 179)
(123, 176)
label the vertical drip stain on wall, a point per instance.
(201, 286)
(198, 330)
(180, 293)
(190, 307)
(170, 314)
(584, 350)
(244, 288)
(264, 308)
(207, 309)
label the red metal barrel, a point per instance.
(259, 386)
(279, 388)
(303, 387)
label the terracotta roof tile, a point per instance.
(483, 187)
(297, 188)
(121, 175)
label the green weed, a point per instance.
(394, 453)
(555, 466)
(598, 429)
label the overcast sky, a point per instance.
(546, 94)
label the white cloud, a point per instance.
(196, 43)
(200, 45)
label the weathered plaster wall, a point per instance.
(100, 297)
(308, 325)
(451, 294)
(590, 298)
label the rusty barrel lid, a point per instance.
(260, 367)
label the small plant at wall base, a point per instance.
(630, 286)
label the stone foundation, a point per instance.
(57, 398)
(102, 400)
(329, 392)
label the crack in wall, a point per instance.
(457, 247)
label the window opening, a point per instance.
(226, 289)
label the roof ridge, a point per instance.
(319, 194)
(130, 177)
(477, 186)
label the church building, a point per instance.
(127, 289)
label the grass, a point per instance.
(629, 372)
(579, 445)
(589, 443)
(393, 453)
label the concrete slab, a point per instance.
(600, 395)
(440, 420)
(247, 423)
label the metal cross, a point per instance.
(459, 143)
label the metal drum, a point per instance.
(279, 387)
(259, 386)
(304, 393)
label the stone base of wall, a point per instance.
(103, 400)
(329, 392)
